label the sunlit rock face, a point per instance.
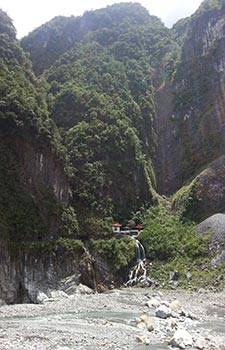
(24, 276)
(191, 110)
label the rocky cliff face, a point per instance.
(25, 275)
(204, 196)
(191, 104)
(121, 99)
(34, 200)
(34, 182)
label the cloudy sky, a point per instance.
(28, 14)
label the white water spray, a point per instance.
(138, 273)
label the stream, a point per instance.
(103, 321)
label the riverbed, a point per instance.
(110, 321)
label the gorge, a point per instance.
(109, 117)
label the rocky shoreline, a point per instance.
(125, 319)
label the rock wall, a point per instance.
(191, 116)
(24, 276)
(35, 187)
(32, 275)
(210, 186)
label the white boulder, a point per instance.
(154, 302)
(41, 298)
(181, 339)
(176, 306)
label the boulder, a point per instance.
(216, 225)
(82, 289)
(200, 343)
(57, 295)
(142, 339)
(176, 306)
(148, 321)
(41, 297)
(163, 312)
(165, 302)
(181, 339)
(154, 302)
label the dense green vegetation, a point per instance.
(91, 112)
(118, 253)
(102, 99)
(166, 237)
(173, 245)
(186, 202)
(26, 212)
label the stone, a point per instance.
(174, 275)
(82, 289)
(150, 327)
(188, 322)
(200, 343)
(58, 295)
(154, 302)
(41, 298)
(143, 339)
(173, 324)
(181, 339)
(189, 275)
(148, 321)
(175, 306)
(163, 312)
(145, 318)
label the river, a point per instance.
(105, 321)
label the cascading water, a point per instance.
(138, 274)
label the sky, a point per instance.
(29, 14)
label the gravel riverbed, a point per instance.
(113, 321)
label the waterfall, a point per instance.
(138, 273)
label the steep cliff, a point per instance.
(165, 86)
(121, 108)
(34, 200)
(102, 95)
(34, 184)
(191, 103)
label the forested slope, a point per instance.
(100, 114)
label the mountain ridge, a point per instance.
(121, 112)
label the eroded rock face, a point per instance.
(211, 187)
(210, 190)
(29, 277)
(191, 116)
(205, 196)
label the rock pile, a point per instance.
(170, 324)
(57, 295)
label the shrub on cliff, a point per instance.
(166, 237)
